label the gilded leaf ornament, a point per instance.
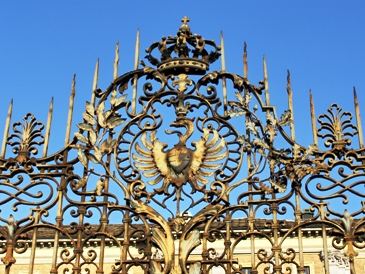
(335, 126)
(29, 134)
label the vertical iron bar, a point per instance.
(300, 236)
(135, 78)
(205, 253)
(95, 83)
(324, 239)
(116, 61)
(70, 110)
(6, 130)
(251, 217)
(275, 225)
(126, 243)
(58, 224)
(104, 223)
(313, 118)
(290, 105)
(245, 64)
(48, 129)
(266, 84)
(227, 241)
(358, 120)
(78, 249)
(34, 241)
(59, 219)
(224, 84)
(104, 217)
(7, 268)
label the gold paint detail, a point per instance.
(180, 164)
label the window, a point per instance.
(247, 270)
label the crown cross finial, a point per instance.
(184, 29)
(185, 19)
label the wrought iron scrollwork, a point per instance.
(176, 178)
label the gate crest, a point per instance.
(192, 172)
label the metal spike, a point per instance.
(290, 104)
(136, 54)
(70, 110)
(48, 128)
(313, 118)
(358, 120)
(135, 79)
(266, 84)
(245, 64)
(224, 86)
(223, 56)
(116, 61)
(7, 128)
(95, 82)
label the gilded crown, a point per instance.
(184, 53)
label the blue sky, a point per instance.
(43, 43)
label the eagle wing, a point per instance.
(206, 153)
(151, 159)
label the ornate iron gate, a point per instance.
(189, 172)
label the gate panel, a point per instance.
(175, 169)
